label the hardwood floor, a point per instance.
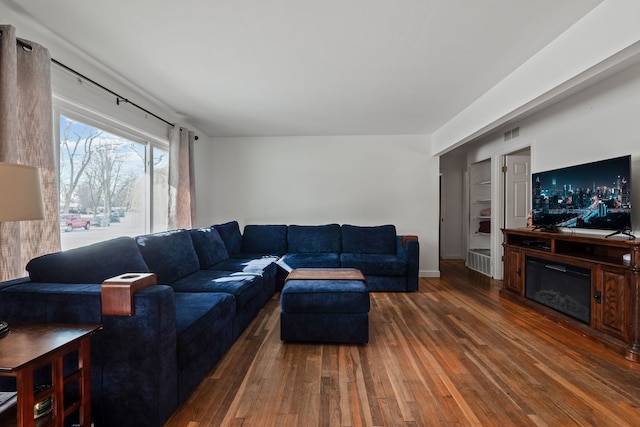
(452, 354)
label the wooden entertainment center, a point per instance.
(614, 265)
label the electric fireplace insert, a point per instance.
(563, 287)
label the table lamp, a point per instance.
(20, 199)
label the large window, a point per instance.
(110, 185)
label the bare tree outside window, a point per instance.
(76, 148)
(105, 179)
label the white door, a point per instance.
(517, 194)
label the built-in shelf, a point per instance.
(479, 253)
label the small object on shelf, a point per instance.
(485, 212)
(484, 227)
(45, 406)
(7, 398)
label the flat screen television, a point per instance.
(594, 195)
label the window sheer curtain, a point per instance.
(182, 192)
(26, 137)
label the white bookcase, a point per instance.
(480, 227)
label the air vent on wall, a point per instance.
(513, 133)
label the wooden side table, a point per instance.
(28, 347)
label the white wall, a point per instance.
(68, 89)
(361, 180)
(597, 123)
(606, 36)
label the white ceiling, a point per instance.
(309, 67)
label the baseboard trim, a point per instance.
(429, 273)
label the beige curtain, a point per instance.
(182, 192)
(26, 137)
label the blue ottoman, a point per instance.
(325, 305)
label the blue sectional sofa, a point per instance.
(211, 284)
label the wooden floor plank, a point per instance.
(452, 354)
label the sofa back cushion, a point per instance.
(379, 239)
(314, 238)
(169, 254)
(93, 263)
(230, 234)
(270, 239)
(209, 246)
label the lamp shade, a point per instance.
(20, 193)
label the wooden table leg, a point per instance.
(24, 383)
(57, 381)
(84, 356)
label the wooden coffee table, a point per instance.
(28, 347)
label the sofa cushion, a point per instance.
(267, 239)
(375, 264)
(260, 265)
(314, 238)
(325, 296)
(93, 263)
(230, 234)
(169, 254)
(244, 287)
(209, 246)
(202, 313)
(311, 260)
(204, 326)
(369, 240)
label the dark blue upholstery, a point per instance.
(325, 296)
(245, 288)
(270, 239)
(170, 254)
(204, 333)
(375, 264)
(410, 252)
(312, 260)
(369, 240)
(389, 284)
(145, 365)
(264, 266)
(314, 239)
(209, 246)
(325, 327)
(325, 311)
(230, 234)
(89, 264)
(133, 358)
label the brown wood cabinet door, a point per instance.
(514, 271)
(615, 303)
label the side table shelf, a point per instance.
(28, 347)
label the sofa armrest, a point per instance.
(117, 292)
(407, 237)
(133, 358)
(408, 248)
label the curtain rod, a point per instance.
(119, 98)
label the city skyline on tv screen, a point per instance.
(593, 195)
